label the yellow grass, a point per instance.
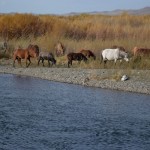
(93, 32)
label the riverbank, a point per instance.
(139, 80)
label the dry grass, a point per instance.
(93, 32)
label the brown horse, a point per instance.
(119, 47)
(88, 53)
(31, 51)
(75, 56)
(60, 49)
(141, 51)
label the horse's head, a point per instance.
(51, 57)
(54, 61)
(126, 56)
(33, 50)
(126, 59)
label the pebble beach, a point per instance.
(138, 80)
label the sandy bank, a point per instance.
(139, 80)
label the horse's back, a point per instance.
(41, 54)
(70, 54)
(21, 53)
(141, 51)
(119, 47)
(87, 53)
(84, 52)
(35, 47)
(76, 56)
(110, 54)
(46, 54)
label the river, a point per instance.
(38, 114)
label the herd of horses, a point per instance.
(114, 53)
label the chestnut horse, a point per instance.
(75, 56)
(31, 51)
(141, 51)
(88, 53)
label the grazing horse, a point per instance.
(46, 56)
(76, 57)
(113, 54)
(31, 51)
(141, 51)
(60, 49)
(88, 53)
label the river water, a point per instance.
(38, 114)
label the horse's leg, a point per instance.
(14, 59)
(19, 61)
(14, 62)
(26, 62)
(39, 61)
(104, 63)
(69, 63)
(115, 64)
(29, 62)
(43, 61)
(115, 61)
(48, 62)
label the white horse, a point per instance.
(113, 54)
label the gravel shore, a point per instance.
(139, 80)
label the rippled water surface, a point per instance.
(42, 115)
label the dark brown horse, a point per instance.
(76, 57)
(88, 53)
(31, 51)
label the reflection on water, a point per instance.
(42, 115)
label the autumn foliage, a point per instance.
(82, 26)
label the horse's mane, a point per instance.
(35, 47)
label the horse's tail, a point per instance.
(101, 57)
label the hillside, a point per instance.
(142, 11)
